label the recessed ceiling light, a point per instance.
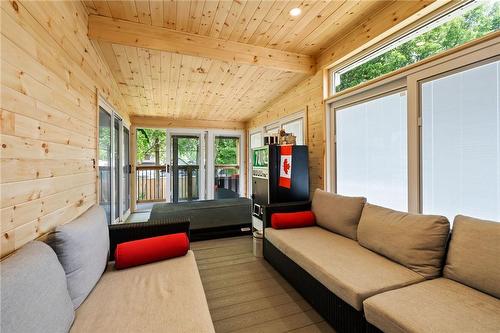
(295, 11)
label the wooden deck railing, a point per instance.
(150, 180)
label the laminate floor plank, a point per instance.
(246, 294)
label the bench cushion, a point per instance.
(337, 213)
(414, 240)
(165, 296)
(350, 271)
(474, 254)
(439, 305)
(82, 247)
(34, 294)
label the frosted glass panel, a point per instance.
(296, 127)
(372, 151)
(461, 144)
(255, 140)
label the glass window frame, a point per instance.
(472, 54)
(420, 27)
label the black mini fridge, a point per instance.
(279, 174)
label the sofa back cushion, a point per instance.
(338, 213)
(34, 294)
(474, 254)
(82, 247)
(414, 240)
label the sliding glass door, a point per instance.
(114, 181)
(185, 173)
(227, 167)
(105, 162)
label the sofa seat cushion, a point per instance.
(350, 271)
(439, 305)
(165, 296)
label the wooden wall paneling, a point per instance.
(182, 19)
(184, 76)
(291, 21)
(272, 15)
(273, 24)
(207, 17)
(124, 9)
(193, 77)
(165, 60)
(253, 23)
(143, 12)
(231, 19)
(220, 16)
(156, 7)
(51, 75)
(169, 13)
(242, 21)
(102, 7)
(155, 63)
(175, 67)
(195, 12)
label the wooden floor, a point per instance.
(245, 294)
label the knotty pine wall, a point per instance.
(307, 94)
(51, 75)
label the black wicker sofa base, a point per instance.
(339, 314)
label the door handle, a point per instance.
(168, 168)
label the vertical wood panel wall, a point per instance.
(51, 75)
(308, 93)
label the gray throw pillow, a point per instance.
(82, 247)
(34, 295)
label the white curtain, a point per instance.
(372, 151)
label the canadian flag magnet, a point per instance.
(286, 166)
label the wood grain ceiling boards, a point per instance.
(157, 83)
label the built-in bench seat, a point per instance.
(158, 297)
(440, 305)
(71, 287)
(349, 270)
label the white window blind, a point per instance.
(461, 143)
(255, 140)
(296, 127)
(371, 146)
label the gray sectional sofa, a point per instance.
(369, 268)
(68, 285)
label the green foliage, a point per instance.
(151, 145)
(473, 24)
(226, 151)
(188, 150)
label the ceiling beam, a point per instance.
(164, 122)
(128, 33)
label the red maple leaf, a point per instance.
(286, 166)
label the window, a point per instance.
(255, 140)
(296, 127)
(227, 167)
(371, 151)
(475, 19)
(272, 128)
(461, 143)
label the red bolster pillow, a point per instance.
(152, 249)
(293, 220)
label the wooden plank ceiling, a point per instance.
(180, 86)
